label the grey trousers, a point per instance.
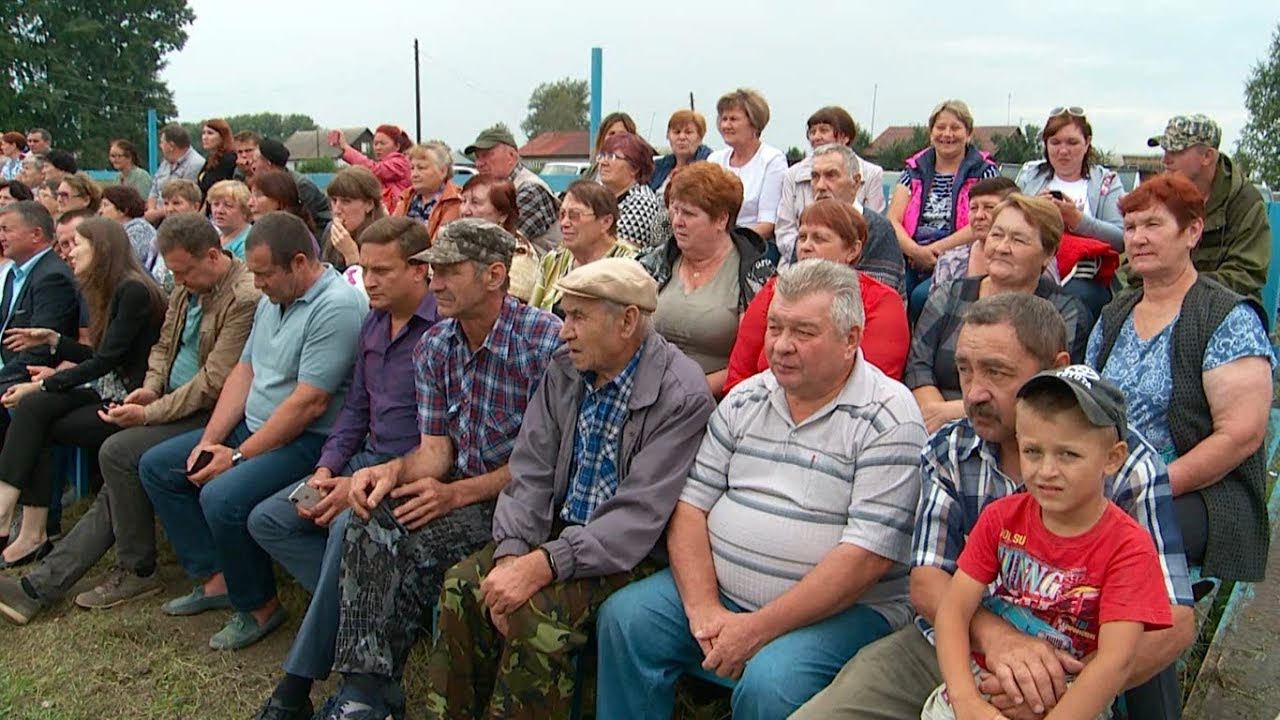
(890, 679)
(121, 515)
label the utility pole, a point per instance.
(597, 75)
(691, 107)
(417, 91)
(875, 94)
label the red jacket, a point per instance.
(392, 171)
(885, 339)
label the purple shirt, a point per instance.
(380, 403)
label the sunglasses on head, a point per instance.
(1072, 110)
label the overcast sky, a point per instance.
(1130, 64)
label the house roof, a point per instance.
(558, 145)
(983, 134)
(310, 144)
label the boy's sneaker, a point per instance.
(117, 587)
(15, 603)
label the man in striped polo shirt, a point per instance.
(790, 543)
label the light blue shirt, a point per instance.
(312, 341)
(187, 360)
(236, 245)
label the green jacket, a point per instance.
(1235, 248)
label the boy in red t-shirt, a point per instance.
(1069, 566)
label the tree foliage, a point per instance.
(794, 155)
(894, 155)
(88, 71)
(1259, 144)
(266, 124)
(1017, 149)
(559, 105)
(861, 141)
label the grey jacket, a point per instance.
(1105, 191)
(668, 412)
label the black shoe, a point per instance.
(4, 542)
(274, 710)
(38, 554)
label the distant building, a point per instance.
(983, 135)
(314, 144)
(572, 146)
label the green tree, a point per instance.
(559, 105)
(894, 155)
(794, 155)
(861, 141)
(88, 71)
(1259, 144)
(1018, 148)
(266, 124)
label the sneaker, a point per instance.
(195, 602)
(242, 630)
(15, 603)
(118, 587)
(274, 710)
(364, 697)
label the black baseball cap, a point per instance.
(1101, 402)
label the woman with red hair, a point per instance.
(389, 165)
(829, 230)
(1194, 363)
(220, 154)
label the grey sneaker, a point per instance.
(117, 587)
(15, 603)
(242, 630)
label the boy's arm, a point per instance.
(1104, 677)
(951, 633)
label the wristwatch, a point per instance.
(237, 457)
(551, 562)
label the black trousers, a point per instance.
(39, 422)
(1193, 520)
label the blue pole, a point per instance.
(597, 71)
(153, 141)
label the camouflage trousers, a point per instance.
(475, 672)
(390, 581)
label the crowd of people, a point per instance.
(704, 414)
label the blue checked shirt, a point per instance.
(960, 474)
(478, 399)
(601, 415)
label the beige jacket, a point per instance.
(224, 327)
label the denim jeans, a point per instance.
(208, 526)
(312, 555)
(645, 645)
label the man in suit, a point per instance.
(39, 290)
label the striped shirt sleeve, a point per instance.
(886, 486)
(709, 478)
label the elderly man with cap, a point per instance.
(606, 445)
(476, 371)
(495, 154)
(273, 155)
(1235, 247)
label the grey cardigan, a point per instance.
(668, 412)
(1105, 191)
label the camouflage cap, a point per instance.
(469, 239)
(1183, 131)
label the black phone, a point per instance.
(203, 459)
(106, 407)
(1057, 195)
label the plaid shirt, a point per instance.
(536, 207)
(478, 399)
(594, 477)
(960, 474)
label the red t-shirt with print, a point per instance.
(1073, 584)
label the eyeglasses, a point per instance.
(607, 156)
(575, 216)
(67, 195)
(1072, 110)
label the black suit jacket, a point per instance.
(48, 300)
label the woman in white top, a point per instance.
(741, 116)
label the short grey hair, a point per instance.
(814, 275)
(846, 154)
(439, 154)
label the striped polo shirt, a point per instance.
(781, 495)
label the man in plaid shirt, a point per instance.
(418, 515)
(974, 461)
(607, 443)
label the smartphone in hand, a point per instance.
(203, 459)
(1057, 195)
(305, 496)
